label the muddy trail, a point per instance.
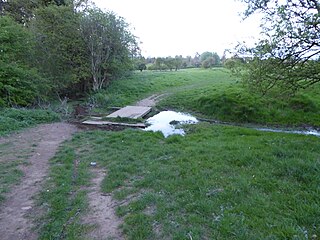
(39, 144)
(102, 211)
(36, 146)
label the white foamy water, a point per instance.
(161, 122)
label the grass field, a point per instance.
(214, 94)
(217, 182)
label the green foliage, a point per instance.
(20, 84)
(208, 63)
(234, 64)
(215, 94)
(60, 48)
(60, 52)
(237, 104)
(209, 59)
(287, 56)
(110, 45)
(140, 64)
(234, 105)
(14, 41)
(20, 10)
(12, 119)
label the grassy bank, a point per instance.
(215, 183)
(142, 84)
(214, 94)
(12, 119)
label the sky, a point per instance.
(185, 27)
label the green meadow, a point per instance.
(214, 94)
(216, 182)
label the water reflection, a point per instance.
(168, 121)
(306, 132)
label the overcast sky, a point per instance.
(184, 27)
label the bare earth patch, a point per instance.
(39, 144)
(102, 211)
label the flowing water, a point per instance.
(168, 122)
(303, 132)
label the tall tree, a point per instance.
(288, 56)
(110, 44)
(60, 52)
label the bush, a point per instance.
(303, 103)
(19, 83)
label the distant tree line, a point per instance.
(204, 60)
(58, 48)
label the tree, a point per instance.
(20, 84)
(159, 64)
(288, 56)
(20, 10)
(208, 63)
(140, 63)
(110, 44)
(177, 62)
(23, 10)
(60, 52)
(169, 62)
(204, 56)
(209, 59)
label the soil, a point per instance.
(37, 145)
(102, 211)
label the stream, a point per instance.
(169, 123)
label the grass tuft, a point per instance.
(12, 119)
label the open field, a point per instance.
(216, 95)
(216, 182)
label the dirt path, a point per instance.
(102, 211)
(43, 140)
(150, 101)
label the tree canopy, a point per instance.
(60, 47)
(288, 55)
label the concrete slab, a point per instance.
(131, 112)
(95, 122)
